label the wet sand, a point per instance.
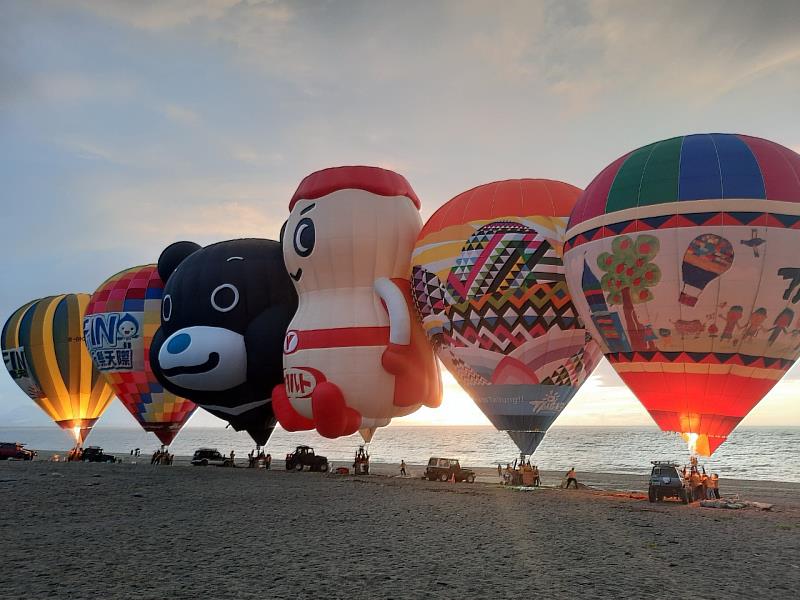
(135, 531)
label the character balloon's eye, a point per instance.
(225, 297)
(166, 307)
(304, 236)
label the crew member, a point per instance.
(713, 485)
(571, 478)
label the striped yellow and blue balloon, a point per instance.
(44, 353)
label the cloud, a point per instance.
(156, 15)
(202, 209)
(180, 114)
(80, 87)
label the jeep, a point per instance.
(303, 456)
(96, 454)
(666, 481)
(444, 469)
(204, 457)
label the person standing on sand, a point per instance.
(696, 484)
(268, 461)
(536, 479)
(402, 468)
(713, 485)
(705, 480)
(233, 455)
(571, 478)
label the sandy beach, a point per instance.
(135, 531)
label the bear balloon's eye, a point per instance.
(225, 297)
(304, 236)
(166, 307)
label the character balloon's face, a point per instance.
(348, 239)
(205, 357)
(204, 317)
(128, 327)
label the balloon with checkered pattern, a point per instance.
(121, 319)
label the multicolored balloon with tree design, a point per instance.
(685, 252)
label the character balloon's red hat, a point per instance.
(370, 179)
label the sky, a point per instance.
(125, 126)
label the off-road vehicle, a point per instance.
(444, 469)
(15, 451)
(96, 454)
(204, 457)
(303, 456)
(667, 482)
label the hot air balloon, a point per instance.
(354, 355)
(685, 251)
(223, 319)
(488, 283)
(121, 319)
(44, 353)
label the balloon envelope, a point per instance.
(685, 251)
(44, 353)
(354, 355)
(223, 319)
(488, 283)
(121, 319)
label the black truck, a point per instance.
(96, 454)
(303, 456)
(667, 482)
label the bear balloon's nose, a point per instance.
(179, 343)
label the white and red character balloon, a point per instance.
(354, 355)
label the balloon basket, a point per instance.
(361, 462)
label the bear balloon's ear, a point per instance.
(172, 256)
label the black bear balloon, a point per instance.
(224, 315)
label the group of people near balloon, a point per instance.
(678, 263)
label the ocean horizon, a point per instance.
(759, 453)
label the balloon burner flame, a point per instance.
(691, 441)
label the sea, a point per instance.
(761, 453)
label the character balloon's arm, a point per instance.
(397, 307)
(408, 357)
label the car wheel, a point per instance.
(298, 467)
(204, 463)
(470, 479)
(651, 495)
(443, 477)
(289, 466)
(324, 467)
